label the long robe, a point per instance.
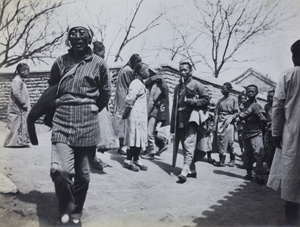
(286, 123)
(125, 77)
(17, 135)
(136, 123)
(225, 109)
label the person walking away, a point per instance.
(157, 108)
(135, 113)
(252, 134)
(285, 133)
(18, 109)
(83, 91)
(125, 77)
(189, 95)
(225, 111)
(268, 142)
(108, 139)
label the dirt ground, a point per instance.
(118, 197)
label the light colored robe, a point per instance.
(16, 120)
(136, 123)
(285, 170)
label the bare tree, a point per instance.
(27, 30)
(128, 29)
(231, 24)
(183, 46)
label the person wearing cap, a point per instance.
(189, 95)
(125, 77)
(18, 108)
(83, 91)
(286, 132)
(158, 110)
(225, 111)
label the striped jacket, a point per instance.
(83, 91)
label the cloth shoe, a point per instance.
(98, 164)
(221, 163)
(129, 165)
(181, 179)
(248, 177)
(192, 175)
(231, 163)
(140, 165)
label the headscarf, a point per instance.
(82, 24)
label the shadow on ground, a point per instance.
(46, 206)
(249, 205)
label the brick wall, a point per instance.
(37, 83)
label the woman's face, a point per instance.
(79, 38)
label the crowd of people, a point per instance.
(81, 122)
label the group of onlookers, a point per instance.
(141, 103)
(82, 86)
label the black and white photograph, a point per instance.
(149, 113)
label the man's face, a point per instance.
(185, 71)
(24, 71)
(270, 97)
(224, 90)
(145, 72)
(79, 38)
(251, 92)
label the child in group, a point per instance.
(135, 114)
(253, 115)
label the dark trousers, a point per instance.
(134, 153)
(254, 152)
(269, 148)
(70, 172)
(292, 213)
